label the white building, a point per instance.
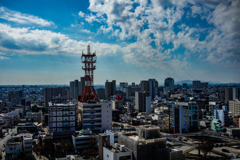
(82, 140)
(222, 115)
(116, 153)
(113, 136)
(96, 116)
(62, 116)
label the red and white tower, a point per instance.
(89, 94)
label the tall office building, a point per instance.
(100, 93)
(143, 102)
(144, 86)
(169, 84)
(153, 88)
(76, 88)
(231, 93)
(50, 93)
(198, 85)
(110, 88)
(62, 116)
(184, 116)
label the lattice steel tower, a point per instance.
(89, 94)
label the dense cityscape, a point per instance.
(132, 121)
(119, 80)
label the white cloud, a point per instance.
(2, 58)
(22, 18)
(29, 41)
(158, 18)
(81, 14)
(86, 31)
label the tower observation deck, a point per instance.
(89, 95)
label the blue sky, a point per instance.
(41, 41)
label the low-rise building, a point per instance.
(113, 136)
(116, 153)
(83, 140)
(12, 149)
(34, 117)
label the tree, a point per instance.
(21, 155)
(205, 147)
(35, 108)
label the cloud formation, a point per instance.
(216, 41)
(21, 18)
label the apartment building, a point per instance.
(62, 116)
(234, 107)
(96, 116)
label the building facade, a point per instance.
(62, 116)
(96, 116)
(184, 117)
(234, 107)
(143, 102)
(169, 84)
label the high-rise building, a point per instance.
(169, 84)
(153, 88)
(231, 93)
(82, 84)
(96, 116)
(234, 107)
(198, 85)
(144, 86)
(50, 93)
(110, 88)
(75, 87)
(143, 102)
(184, 116)
(130, 91)
(100, 93)
(62, 116)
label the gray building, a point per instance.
(198, 85)
(145, 143)
(169, 84)
(143, 102)
(100, 93)
(110, 88)
(130, 91)
(50, 93)
(153, 88)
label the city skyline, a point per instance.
(41, 41)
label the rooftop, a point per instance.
(117, 150)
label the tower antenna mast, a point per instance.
(89, 94)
